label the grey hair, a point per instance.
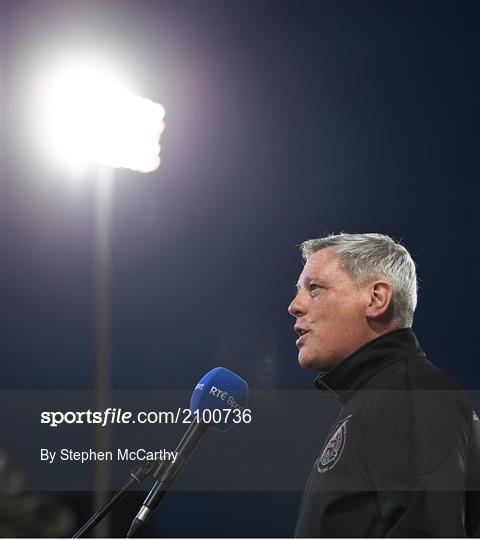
(366, 257)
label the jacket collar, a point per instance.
(357, 369)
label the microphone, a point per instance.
(219, 389)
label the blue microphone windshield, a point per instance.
(220, 389)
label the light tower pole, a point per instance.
(86, 116)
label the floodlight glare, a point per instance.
(87, 115)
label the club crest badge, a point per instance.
(333, 449)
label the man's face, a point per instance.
(330, 312)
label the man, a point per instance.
(403, 457)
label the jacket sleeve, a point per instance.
(418, 444)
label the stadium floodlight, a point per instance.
(84, 114)
(88, 116)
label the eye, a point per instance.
(313, 287)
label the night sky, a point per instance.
(285, 120)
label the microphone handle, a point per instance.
(166, 473)
(136, 476)
(167, 470)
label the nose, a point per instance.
(296, 307)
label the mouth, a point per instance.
(302, 333)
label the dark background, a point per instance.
(285, 121)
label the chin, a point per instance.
(313, 362)
(307, 362)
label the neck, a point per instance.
(376, 328)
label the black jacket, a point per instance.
(403, 457)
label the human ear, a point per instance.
(380, 300)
